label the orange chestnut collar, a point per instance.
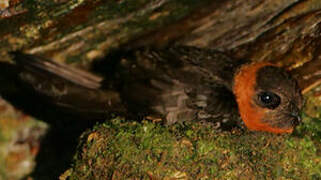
(244, 91)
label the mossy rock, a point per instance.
(119, 149)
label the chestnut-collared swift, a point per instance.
(176, 84)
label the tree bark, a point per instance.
(285, 32)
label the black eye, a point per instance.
(269, 100)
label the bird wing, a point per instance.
(179, 83)
(37, 63)
(75, 90)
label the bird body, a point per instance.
(176, 84)
(179, 84)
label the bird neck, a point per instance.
(244, 90)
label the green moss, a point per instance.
(16, 158)
(123, 149)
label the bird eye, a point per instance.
(269, 99)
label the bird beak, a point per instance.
(296, 118)
(295, 114)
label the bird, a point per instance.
(175, 84)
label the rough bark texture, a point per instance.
(286, 32)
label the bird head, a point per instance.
(268, 98)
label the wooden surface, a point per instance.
(286, 32)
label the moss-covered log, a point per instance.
(131, 150)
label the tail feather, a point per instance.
(77, 76)
(71, 89)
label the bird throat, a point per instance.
(244, 91)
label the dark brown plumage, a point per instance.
(176, 84)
